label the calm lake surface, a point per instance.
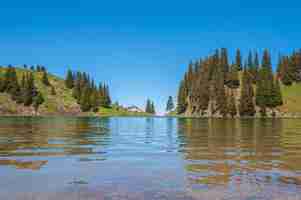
(149, 158)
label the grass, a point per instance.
(62, 101)
(119, 112)
(292, 98)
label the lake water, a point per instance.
(149, 158)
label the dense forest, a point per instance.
(24, 91)
(213, 86)
(84, 90)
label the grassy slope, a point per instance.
(53, 103)
(62, 100)
(292, 98)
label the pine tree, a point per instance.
(30, 90)
(238, 60)
(233, 79)
(224, 62)
(85, 100)
(276, 94)
(45, 80)
(181, 103)
(69, 81)
(169, 105)
(148, 108)
(37, 101)
(220, 93)
(264, 90)
(152, 108)
(246, 105)
(256, 65)
(283, 71)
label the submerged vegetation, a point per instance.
(213, 87)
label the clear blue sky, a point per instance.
(141, 48)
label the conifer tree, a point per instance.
(169, 105)
(233, 79)
(238, 60)
(246, 105)
(45, 80)
(224, 62)
(29, 90)
(181, 103)
(152, 108)
(85, 100)
(69, 81)
(276, 94)
(148, 108)
(37, 101)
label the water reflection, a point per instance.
(244, 152)
(28, 138)
(180, 158)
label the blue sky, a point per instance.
(141, 48)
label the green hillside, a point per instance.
(292, 98)
(60, 103)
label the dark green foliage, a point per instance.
(88, 96)
(170, 104)
(221, 101)
(224, 64)
(85, 99)
(150, 107)
(69, 81)
(238, 60)
(37, 101)
(233, 79)
(45, 80)
(246, 104)
(268, 93)
(283, 71)
(153, 110)
(182, 95)
(276, 94)
(253, 66)
(29, 89)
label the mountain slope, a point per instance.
(60, 103)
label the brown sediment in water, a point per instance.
(33, 165)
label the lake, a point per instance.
(56, 158)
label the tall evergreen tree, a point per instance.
(169, 105)
(45, 79)
(69, 81)
(181, 103)
(246, 104)
(238, 60)
(148, 107)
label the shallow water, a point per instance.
(149, 158)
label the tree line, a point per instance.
(213, 84)
(23, 90)
(150, 107)
(88, 95)
(22, 87)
